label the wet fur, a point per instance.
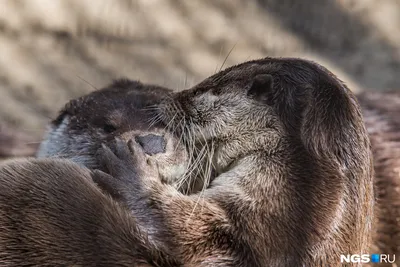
(294, 170)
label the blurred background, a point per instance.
(55, 50)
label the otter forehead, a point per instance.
(117, 107)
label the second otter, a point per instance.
(53, 214)
(123, 109)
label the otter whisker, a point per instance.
(205, 169)
(32, 143)
(151, 107)
(30, 130)
(190, 151)
(194, 163)
(185, 82)
(182, 126)
(169, 124)
(207, 178)
(88, 83)
(196, 167)
(193, 170)
(227, 56)
(175, 126)
(201, 193)
(178, 109)
(196, 155)
(168, 97)
(154, 120)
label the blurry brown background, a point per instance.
(52, 50)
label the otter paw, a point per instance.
(127, 162)
(109, 184)
(118, 161)
(123, 165)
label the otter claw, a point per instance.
(122, 150)
(117, 163)
(108, 159)
(137, 152)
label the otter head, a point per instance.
(122, 110)
(256, 100)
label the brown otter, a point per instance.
(123, 109)
(381, 121)
(51, 211)
(293, 165)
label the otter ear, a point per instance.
(262, 87)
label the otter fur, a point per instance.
(53, 214)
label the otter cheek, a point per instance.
(152, 144)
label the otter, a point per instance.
(381, 122)
(122, 109)
(292, 182)
(52, 213)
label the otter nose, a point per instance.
(151, 143)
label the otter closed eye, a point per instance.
(108, 128)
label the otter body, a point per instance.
(53, 214)
(292, 164)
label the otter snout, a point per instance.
(152, 144)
